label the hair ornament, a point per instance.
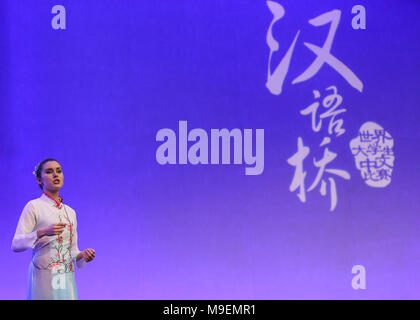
(36, 170)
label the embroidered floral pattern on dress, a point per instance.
(62, 262)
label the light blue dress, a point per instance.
(51, 270)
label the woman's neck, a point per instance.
(52, 194)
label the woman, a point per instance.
(49, 227)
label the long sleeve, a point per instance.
(25, 235)
(75, 249)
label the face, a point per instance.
(51, 176)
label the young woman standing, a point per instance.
(49, 228)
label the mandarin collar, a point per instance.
(52, 201)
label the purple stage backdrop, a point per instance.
(219, 149)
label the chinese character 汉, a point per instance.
(323, 54)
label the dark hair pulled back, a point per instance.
(38, 170)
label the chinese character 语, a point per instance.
(331, 103)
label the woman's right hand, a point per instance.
(52, 230)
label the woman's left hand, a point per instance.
(88, 254)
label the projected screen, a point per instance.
(218, 149)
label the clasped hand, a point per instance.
(88, 254)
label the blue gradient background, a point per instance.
(94, 96)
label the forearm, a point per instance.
(80, 262)
(79, 256)
(40, 233)
(21, 242)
